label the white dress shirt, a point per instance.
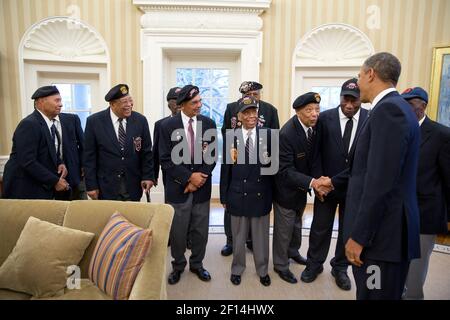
(185, 120)
(421, 121)
(305, 128)
(343, 121)
(381, 95)
(116, 123)
(58, 127)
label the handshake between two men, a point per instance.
(322, 187)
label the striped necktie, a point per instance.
(122, 135)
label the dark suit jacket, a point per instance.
(296, 166)
(178, 174)
(242, 187)
(72, 143)
(32, 169)
(333, 157)
(433, 178)
(381, 210)
(104, 161)
(156, 161)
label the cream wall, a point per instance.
(409, 29)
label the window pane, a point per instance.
(330, 97)
(65, 91)
(184, 76)
(82, 96)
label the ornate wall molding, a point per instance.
(64, 39)
(333, 45)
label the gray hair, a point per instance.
(386, 65)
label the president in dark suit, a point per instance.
(72, 137)
(35, 169)
(174, 109)
(338, 128)
(267, 118)
(246, 192)
(118, 161)
(381, 223)
(433, 189)
(187, 152)
(298, 156)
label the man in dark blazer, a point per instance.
(188, 158)
(118, 161)
(267, 118)
(174, 109)
(381, 223)
(69, 127)
(246, 192)
(338, 128)
(298, 155)
(433, 189)
(35, 169)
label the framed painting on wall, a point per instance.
(439, 106)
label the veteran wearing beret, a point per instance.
(246, 193)
(35, 169)
(188, 180)
(298, 156)
(267, 118)
(118, 159)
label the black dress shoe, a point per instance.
(235, 279)
(202, 274)
(227, 250)
(299, 259)
(342, 280)
(287, 276)
(174, 276)
(265, 281)
(310, 274)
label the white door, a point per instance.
(218, 81)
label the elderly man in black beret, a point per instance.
(267, 118)
(188, 180)
(35, 169)
(298, 156)
(118, 159)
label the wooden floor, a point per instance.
(323, 288)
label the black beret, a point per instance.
(173, 93)
(45, 92)
(187, 93)
(307, 98)
(117, 92)
(350, 88)
(247, 86)
(247, 103)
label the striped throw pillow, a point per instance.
(118, 256)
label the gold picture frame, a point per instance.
(439, 104)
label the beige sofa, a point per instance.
(92, 216)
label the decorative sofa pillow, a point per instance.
(38, 263)
(119, 256)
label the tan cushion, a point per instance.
(119, 256)
(87, 291)
(13, 295)
(38, 263)
(15, 213)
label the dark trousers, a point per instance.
(387, 284)
(321, 232)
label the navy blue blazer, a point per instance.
(333, 158)
(244, 190)
(433, 178)
(72, 146)
(32, 169)
(178, 174)
(381, 211)
(104, 162)
(296, 165)
(156, 161)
